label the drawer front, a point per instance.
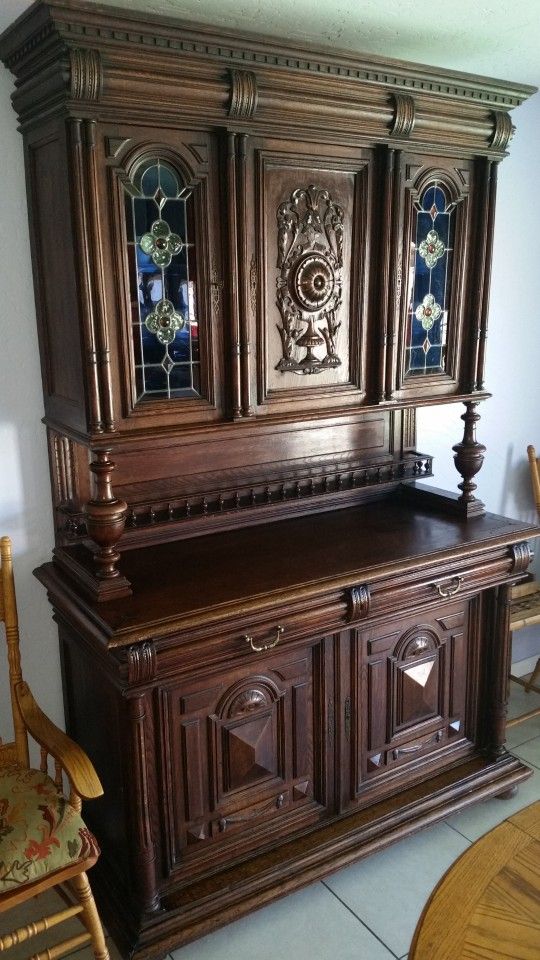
(414, 677)
(436, 583)
(247, 753)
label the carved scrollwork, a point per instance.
(503, 130)
(86, 74)
(521, 557)
(404, 116)
(359, 600)
(309, 286)
(244, 94)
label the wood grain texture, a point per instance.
(487, 907)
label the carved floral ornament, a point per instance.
(309, 286)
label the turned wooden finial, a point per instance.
(105, 517)
(469, 455)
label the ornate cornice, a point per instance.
(113, 28)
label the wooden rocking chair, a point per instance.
(43, 840)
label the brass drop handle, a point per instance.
(265, 646)
(448, 588)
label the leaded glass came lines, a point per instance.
(160, 234)
(430, 271)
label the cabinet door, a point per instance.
(309, 210)
(164, 292)
(414, 698)
(434, 343)
(247, 758)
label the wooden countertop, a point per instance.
(284, 561)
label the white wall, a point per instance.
(510, 420)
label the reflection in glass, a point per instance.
(430, 270)
(162, 267)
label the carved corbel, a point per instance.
(521, 556)
(358, 603)
(404, 116)
(141, 661)
(244, 94)
(503, 130)
(86, 74)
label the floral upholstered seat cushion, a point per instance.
(39, 831)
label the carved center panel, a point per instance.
(310, 282)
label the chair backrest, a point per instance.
(534, 464)
(17, 750)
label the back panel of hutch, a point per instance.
(253, 261)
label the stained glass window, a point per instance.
(163, 277)
(430, 272)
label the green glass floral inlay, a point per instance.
(432, 248)
(164, 321)
(428, 311)
(160, 243)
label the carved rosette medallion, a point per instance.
(309, 286)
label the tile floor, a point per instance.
(365, 912)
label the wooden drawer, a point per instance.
(433, 584)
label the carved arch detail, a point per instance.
(419, 641)
(130, 158)
(246, 696)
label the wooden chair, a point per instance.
(43, 840)
(525, 609)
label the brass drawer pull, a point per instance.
(448, 588)
(265, 646)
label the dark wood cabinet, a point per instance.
(252, 263)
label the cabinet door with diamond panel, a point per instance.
(249, 747)
(414, 697)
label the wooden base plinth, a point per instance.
(195, 909)
(77, 563)
(444, 501)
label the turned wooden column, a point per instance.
(469, 457)
(105, 521)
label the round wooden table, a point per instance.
(487, 906)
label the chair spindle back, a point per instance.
(18, 749)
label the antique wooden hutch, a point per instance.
(253, 261)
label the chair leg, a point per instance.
(90, 915)
(534, 677)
